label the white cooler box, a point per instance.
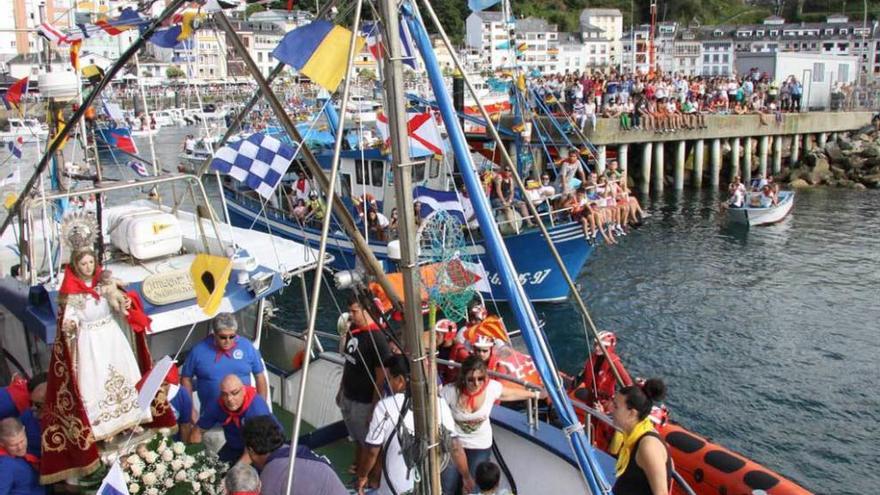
(145, 233)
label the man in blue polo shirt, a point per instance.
(237, 404)
(30, 395)
(222, 353)
(19, 470)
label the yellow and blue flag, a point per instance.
(318, 50)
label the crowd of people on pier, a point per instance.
(670, 102)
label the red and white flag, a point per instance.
(424, 135)
(52, 34)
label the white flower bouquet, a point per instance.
(163, 466)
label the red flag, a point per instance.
(13, 94)
(290, 4)
(74, 54)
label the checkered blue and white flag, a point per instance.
(259, 161)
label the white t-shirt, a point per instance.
(385, 417)
(474, 429)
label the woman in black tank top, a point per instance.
(643, 465)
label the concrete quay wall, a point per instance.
(731, 145)
(608, 130)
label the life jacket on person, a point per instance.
(597, 385)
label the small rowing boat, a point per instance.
(752, 216)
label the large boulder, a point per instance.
(871, 151)
(820, 164)
(838, 172)
(845, 144)
(833, 151)
(858, 186)
(799, 184)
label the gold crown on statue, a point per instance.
(79, 231)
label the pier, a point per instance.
(737, 145)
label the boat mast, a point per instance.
(421, 391)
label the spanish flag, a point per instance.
(318, 50)
(210, 275)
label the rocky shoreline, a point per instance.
(851, 161)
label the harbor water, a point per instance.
(767, 338)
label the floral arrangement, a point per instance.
(163, 466)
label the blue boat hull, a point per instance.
(538, 272)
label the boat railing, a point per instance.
(552, 216)
(30, 203)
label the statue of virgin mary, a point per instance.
(93, 372)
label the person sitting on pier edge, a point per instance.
(238, 403)
(242, 479)
(363, 378)
(471, 399)
(270, 456)
(503, 198)
(220, 354)
(567, 168)
(613, 173)
(19, 469)
(643, 462)
(386, 430)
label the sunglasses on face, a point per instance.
(476, 379)
(226, 337)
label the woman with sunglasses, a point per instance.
(471, 399)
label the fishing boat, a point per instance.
(753, 216)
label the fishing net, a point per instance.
(448, 274)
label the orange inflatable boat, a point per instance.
(708, 468)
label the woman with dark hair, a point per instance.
(643, 463)
(471, 399)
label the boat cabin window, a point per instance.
(375, 169)
(345, 185)
(435, 168)
(418, 172)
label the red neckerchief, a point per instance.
(371, 327)
(31, 459)
(220, 352)
(472, 397)
(301, 184)
(234, 417)
(74, 285)
(19, 394)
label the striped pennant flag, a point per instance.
(138, 168)
(15, 147)
(52, 34)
